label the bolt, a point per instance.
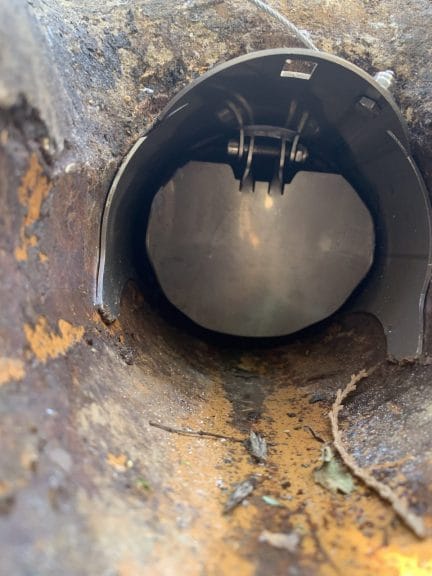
(233, 148)
(386, 79)
(368, 105)
(301, 155)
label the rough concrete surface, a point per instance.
(87, 485)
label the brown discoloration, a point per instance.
(11, 369)
(33, 190)
(45, 343)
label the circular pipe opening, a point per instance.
(257, 231)
(271, 190)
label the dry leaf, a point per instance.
(257, 446)
(241, 492)
(332, 474)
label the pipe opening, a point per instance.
(272, 192)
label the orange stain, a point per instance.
(119, 462)
(200, 471)
(354, 534)
(11, 369)
(45, 343)
(32, 192)
(350, 532)
(406, 562)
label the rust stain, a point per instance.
(43, 257)
(45, 343)
(180, 522)
(350, 532)
(206, 470)
(119, 462)
(408, 562)
(32, 192)
(355, 534)
(11, 369)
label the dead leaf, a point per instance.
(257, 446)
(241, 492)
(332, 474)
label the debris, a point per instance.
(408, 361)
(142, 485)
(414, 522)
(120, 463)
(288, 497)
(127, 354)
(184, 432)
(332, 474)
(257, 446)
(317, 397)
(280, 540)
(271, 501)
(241, 491)
(314, 434)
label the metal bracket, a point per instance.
(267, 142)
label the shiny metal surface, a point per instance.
(253, 264)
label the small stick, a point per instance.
(184, 432)
(313, 433)
(414, 522)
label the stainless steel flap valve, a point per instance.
(274, 189)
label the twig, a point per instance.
(313, 433)
(184, 432)
(414, 522)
